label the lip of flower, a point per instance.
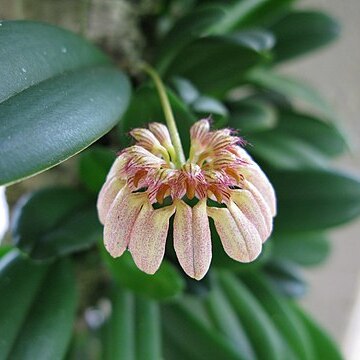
(228, 185)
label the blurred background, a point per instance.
(334, 293)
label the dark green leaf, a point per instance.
(94, 165)
(38, 308)
(298, 141)
(55, 222)
(165, 283)
(148, 330)
(216, 64)
(323, 345)
(303, 248)
(58, 95)
(315, 199)
(301, 32)
(186, 332)
(185, 89)
(118, 333)
(290, 88)
(265, 338)
(4, 249)
(285, 276)
(145, 107)
(226, 322)
(282, 315)
(252, 116)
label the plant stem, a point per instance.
(169, 116)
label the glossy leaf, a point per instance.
(133, 330)
(298, 141)
(286, 278)
(226, 322)
(289, 88)
(165, 283)
(277, 307)
(252, 116)
(301, 32)
(185, 332)
(54, 222)
(315, 199)
(60, 95)
(265, 338)
(216, 64)
(324, 347)
(302, 248)
(94, 165)
(36, 300)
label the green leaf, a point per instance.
(289, 88)
(59, 96)
(226, 322)
(323, 345)
(301, 32)
(133, 331)
(252, 115)
(118, 333)
(264, 337)
(37, 308)
(267, 13)
(54, 222)
(302, 248)
(282, 315)
(4, 249)
(94, 165)
(145, 107)
(285, 276)
(215, 64)
(185, 332)
(315, 199)
(165, 283)
(298, 141)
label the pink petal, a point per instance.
(240, 239)
(248, 205)
(192, 238)
(148, 237)
(263, 204)
(120, 220)
(107, 195)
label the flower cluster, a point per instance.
(219, 179)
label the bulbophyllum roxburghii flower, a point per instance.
(219, 177)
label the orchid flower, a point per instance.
(150, 182)
(228, 186)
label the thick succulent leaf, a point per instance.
(266, 340)
(145, 107)
(186, 332)
(301, 32)
(283, 317)
(302, 248)
(290, 88)
(314, 199)
(60, 95)
(54, 222)
(286, 278)
(165, 283)
(37, 308)
(226, 322)
(324, 346)
(133, 330)
(298, 141)
(252, 115)
(215, 64)
(94, 165)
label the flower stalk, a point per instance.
(178, 156)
